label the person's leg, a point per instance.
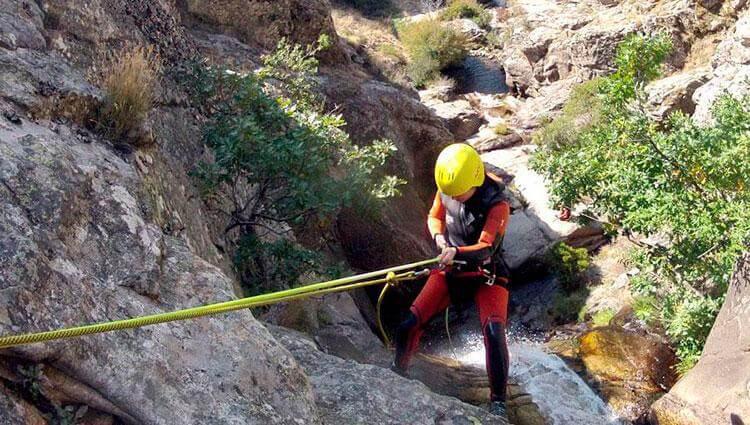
(492, 302)
(432, 299)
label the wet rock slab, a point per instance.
(349, 392)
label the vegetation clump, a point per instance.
(568, 264)
(431, 48)
(677, 179)
(129, 94)
(467, 9)
(281, 162)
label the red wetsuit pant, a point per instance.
(492, 303)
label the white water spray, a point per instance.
(562, 396)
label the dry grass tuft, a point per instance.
(129, 93)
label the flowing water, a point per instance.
(562, 396)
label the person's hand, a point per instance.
(446, 257)
(440, 242)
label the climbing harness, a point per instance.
(392, 276)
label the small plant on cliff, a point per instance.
(678, 179)
(281, 162)
(468, 9)
(431, 48)
(129, 93)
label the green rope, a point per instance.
(336, 285)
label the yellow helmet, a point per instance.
(458, 169)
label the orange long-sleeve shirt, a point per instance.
(494, 227)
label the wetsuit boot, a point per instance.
(497, 366)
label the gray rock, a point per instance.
(674, 93)
(347, 392)
(462, 120)
(14, 410)
(21, 25)
(42, 81)
(467, 27)
(76, 247)
(336, 325)
(731, 70)
(716, 390)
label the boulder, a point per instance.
(89, 31)
(78, 245)
(461, 119)
(674, 93)
(631, 369)
(469, 383)
(468, 28)
(519, 72)
(715, 391)
(350, 392)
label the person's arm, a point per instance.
(436, 221)
(494, 227)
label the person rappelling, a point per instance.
(467, 222)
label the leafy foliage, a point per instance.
(280, 160)
(469, 9)
(431, 48)
(568, 264)
(679, 181)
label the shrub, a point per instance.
(501, 129)
(431, 48)
(644, 308)
(602, 317)
(677, 179)
(580, 113)
(689, 319)
(280, 160)
(469, 9)
(568, 264)
(570, 307)
(129, 87)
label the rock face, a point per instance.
(76, 232)
(335, 324)
(374, 110)
(93, 231)
(263, 23)
(552, 45)
(730, 69)
(349, 392)
(715, 391)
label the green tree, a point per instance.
(281, 161)
(678, 180)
